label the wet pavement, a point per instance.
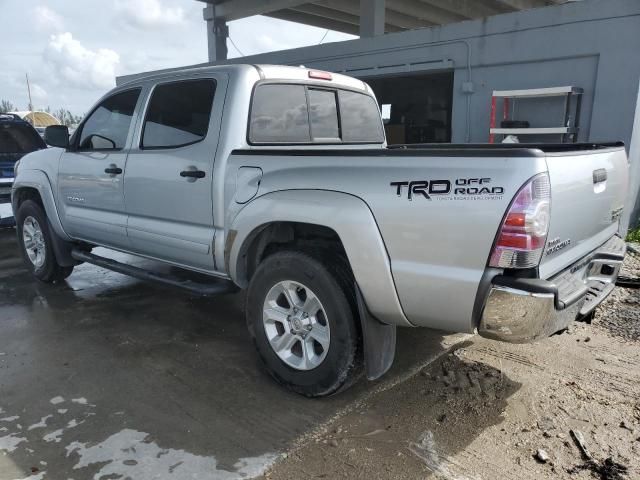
(104, 376)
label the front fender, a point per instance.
(353, 222)
(39, 181)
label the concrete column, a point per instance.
(372, 18)
(632, 208)
(217, 33)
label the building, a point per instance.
(434, 64)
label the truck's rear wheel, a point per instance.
(303, 324)
(36, 244)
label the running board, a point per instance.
(205, 289)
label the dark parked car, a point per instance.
(17, 138)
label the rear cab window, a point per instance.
(288, 113)
(279, 115)
(323, 115)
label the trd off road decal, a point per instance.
(460, 189)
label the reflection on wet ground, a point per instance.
(107, 375)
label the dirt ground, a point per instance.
(486, 409)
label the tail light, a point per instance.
(523, 233)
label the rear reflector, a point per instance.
(317, 74)
(523, 233)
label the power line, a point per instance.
(324, 36)
(236, 47)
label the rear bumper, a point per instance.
(521, 310)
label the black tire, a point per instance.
(342, 364)
(49, 271)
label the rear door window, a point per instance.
(178, 114)
(360, 118)
(279, 115)
(323, 113)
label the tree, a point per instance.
(6, 106)
(66, 117)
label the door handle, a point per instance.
(192, 174)
(113, 170)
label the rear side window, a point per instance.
(360, 118)
(178, 114)
(279, 115)
(323, 113)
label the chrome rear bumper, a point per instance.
(520, 310)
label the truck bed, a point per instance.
(519, 147)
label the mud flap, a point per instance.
(61, 249)
(378, 339)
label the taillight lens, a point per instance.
(523, 232)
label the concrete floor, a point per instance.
(104, 376)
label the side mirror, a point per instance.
(57, 136)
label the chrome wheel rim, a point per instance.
(296, 325)
(33, 240)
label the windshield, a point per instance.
(16, 138)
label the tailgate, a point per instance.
(588, 190)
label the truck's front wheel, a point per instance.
(302, 320)
(36, 243)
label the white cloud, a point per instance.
(78, 66)
(149, 13)
(47, 20)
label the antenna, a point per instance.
(30, 102)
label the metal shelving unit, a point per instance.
(571, 125)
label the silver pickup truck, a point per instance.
(278, 180)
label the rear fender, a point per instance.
(346, 215)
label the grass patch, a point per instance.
(634, 235)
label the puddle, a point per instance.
(130, 454)
(127, 454)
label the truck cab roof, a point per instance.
(259, 72)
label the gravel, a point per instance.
(620, 313)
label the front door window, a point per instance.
(108, 125)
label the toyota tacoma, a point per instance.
(278, 180)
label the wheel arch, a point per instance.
(35, 185)
(281, 235)
(343, 220)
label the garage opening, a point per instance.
(416, 108)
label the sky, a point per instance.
(73, 50)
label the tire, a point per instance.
(304, 364)
(36, 243)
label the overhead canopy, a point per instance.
(38, 119)
(349, 16)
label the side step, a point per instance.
(218, 287)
